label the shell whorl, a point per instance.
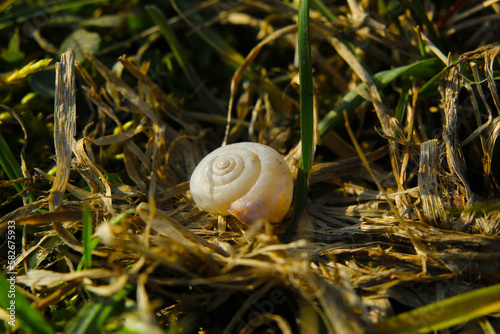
(249, 180)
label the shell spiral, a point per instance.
(248, 180)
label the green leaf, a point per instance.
(31, 321)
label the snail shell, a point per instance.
(248, 180)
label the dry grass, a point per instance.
(361, 253)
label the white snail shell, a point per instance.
(248, 180)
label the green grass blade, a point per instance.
(31, 321)
(403, 99)
(180, 55)
(446, 313)
(10, 164)
(306, 88)
(95, 314)
(87, 242)
(114, 305)
(177, 50)
(421, 45)
(306, 116)
(432, 84)
(324, 10)
(428, 24)
(486, 326)
(424, 68)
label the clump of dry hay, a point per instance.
(353, 257)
